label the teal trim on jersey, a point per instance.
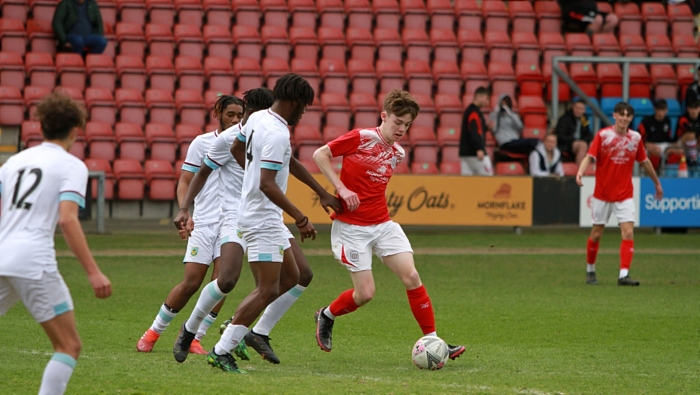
(61, 308)
(270, 166)
(224, 240)
(296, 292)
(72, 197)
(164, 316)
(64, 359)
(212, 292)
(241, 137)
(264, 257)
(190, 168)
(211, 163)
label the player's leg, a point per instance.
(579, 148)
(689, 143)
(600, 214)
(610, 22)
(596, 26)
(213, 293)
(258, 337)
(625, 212)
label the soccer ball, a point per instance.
(430, 352)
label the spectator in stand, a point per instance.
(656, 132)
(692, 93)
(573, 132)
(78, 25)
(688, 131)
(545, 159)
(584, 16)
(507, 128)
(472, 140)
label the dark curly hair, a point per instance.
(259, 99)
(292, 87)
(224, 101)
(58, 114)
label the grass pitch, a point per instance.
(518, 303)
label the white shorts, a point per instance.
(267, 242)
(353, 244)
(472, 166)
(601, 210)
(45, 298)
(203, 246)
(230, 233)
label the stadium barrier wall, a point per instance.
(680, 206)
(555, 201)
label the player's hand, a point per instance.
(184, 233)
(181, 221)
(578, 179)
(659, 192)
(306, 228)
(330, 202)
(480, 154)
(350, 198)
(100, 284)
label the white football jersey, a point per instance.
(231, 174)
(207, 203)
(32, 183)
(267, 147)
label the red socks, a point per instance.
(344, 304)
(626, 253)
(592, 251)
(422, 309)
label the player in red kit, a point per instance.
(364, 226)
(614, 149)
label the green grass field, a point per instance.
(518, 303)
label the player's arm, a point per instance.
(649, 169)
(327, 200)
(474, 133)
(238, 151)
(582, 169)
(322, 157)
(75, 238)
(269, 187)
(195, 186)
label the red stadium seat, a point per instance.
(308, 69)
(529, 78)
(510, 169)
(502, 78)
(217, 13)
(11, 70)
(609, 79)
(219, 74)
(564, 92)
(447, 78)
(330, 13)
(71, 70)
(449, 110)
(418, 135)
(416, 44)
(534, 133)
(246, 13)
(184, 135)
(312, 117)
(188, 40)
(362, 76)
(247, 42)
(331, 133)
(162, 11)
(274, 68)
(681, 18)
(423, 168)
(447, 136)
(335, 77)
(131, 106)
(11, 106)
(248, 74)
(630, 18)
(686, 76)
(578, 44)
(311, 166)
(551, 44)
(386, 14)
(475, 76)
(450, 153)
(522, 16)
(499, 46)
(663, 77)
(364, 110)
(131, 72)
(570, 169)
(14, 9)
(132, 11)
(306, 152)
(100, 140)
(655, 18)
(471, 45)
(444, 44)
(639, 81)
(685, 46)
(130, 179)
(495, 16)
(307, 135)
(414, 14)
(160, 40)
(419, 77)
(425, 154)
(97, 164)
(331, 39)
(30, 134)
(161, 107)
(276, 42)
(360, 43)
(548, 16)
(101, 105)
(74, 93)
(633, 46)
(161, 141)
(390, 75)
(13, 38)
(441, 13)
(451, 168)
(190, 74)
(41, 36)
(275, 13)
(605, 44)
(336, 109)
(468, 15)
(131, 39)
(101, 71)
(32, 96)
(161, 72)
(303, 13)
(388, 43)
(359, 14)
(527, 48)
(584, 75)
(218, 41)
(131, 142)
(304, 43)
(160, 180)
(659, 46)
(190, 107)
(189, 12)
(533, 111)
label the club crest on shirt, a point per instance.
(194, 251)
(354, 256)
(393, 162)
(281, 250)
(631, 146)
(239, 233)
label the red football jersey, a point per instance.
(615, 155)
(368, 164)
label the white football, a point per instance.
(430, 352)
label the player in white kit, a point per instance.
(203, 242)
(268, 162)
(39, 188)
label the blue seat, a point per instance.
(674, 112)
(642, 108)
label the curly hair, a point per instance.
(401, 103)
(58, 114)
(292, 87)
(259, 99)
(224, 101)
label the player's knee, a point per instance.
(362, 297)
(189, 286)
(71, 346)
(611, 20)
(269, 292)
(305, 277)
(412, 280)
(226, 285)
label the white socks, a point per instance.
(57, 374)
(274, 312)
(163, 319)
(204, 326)
(590, 268)
(232, 336)
(210, 296)
(624, 272)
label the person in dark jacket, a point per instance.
(472, 140)
(573, 132)
(78, 25)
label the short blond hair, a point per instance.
(401, 103)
